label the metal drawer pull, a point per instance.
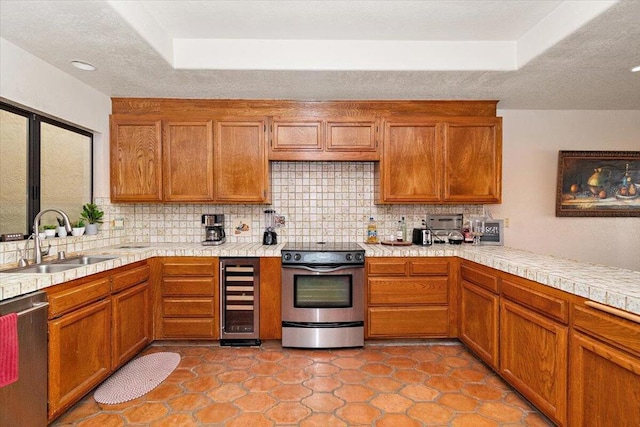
(615, 311)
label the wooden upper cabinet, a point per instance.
(136, 165)
(411, 165)
(241, 167)
(473, 160)
(351, 135)
(327, 139)
(188, 161)
(296, 135)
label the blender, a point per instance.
(270, 237)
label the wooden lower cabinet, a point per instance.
(479, 318)
(131, 323)
(270, 297)
(79, 354)
(186, 306)
(604, 384)
(409, 298)
(533, 358)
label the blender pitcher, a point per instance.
(270, 237)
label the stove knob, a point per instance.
(297, 257)
(349, 257)
(359, 257)
(287, 257)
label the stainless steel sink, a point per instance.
(86, 259)
(57, 266)
(43, 268)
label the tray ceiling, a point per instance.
(527, 54)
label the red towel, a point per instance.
(8, 349)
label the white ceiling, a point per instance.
(526, 54)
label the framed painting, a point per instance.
(598, 183)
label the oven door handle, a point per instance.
(323, 269)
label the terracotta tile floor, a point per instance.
(398, 385)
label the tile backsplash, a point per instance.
(321, 201)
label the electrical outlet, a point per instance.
(506, 223)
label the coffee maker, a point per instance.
(213, 229)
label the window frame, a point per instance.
(34, 160)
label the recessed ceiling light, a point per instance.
(85, 66)
(635, 69)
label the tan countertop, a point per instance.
(612, 286)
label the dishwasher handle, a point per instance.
(36, 306)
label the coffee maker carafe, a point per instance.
(213, 229)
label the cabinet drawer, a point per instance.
(408, 291)
(428, 267)
(188, 328)
(545, 304)
(408, 321)
(387, 268)
(126, 279)
(480, 278)
(203, 267)
(614, 330)
(77, 296)
(187, 307)
(188, 286)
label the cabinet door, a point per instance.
(270, 297)
(241, 168)
(604, 384)
(136, 165)
(296, 135)
(479, 315)
(533, 358)
(79, 354)
(411, 164)
(131, 324)
(473, 160)
(188, 161)
(355, 136)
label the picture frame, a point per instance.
(493, 232)
(598, 184)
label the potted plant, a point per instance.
(92, 215)
(77, 228)
(60, 230)
(49, 230)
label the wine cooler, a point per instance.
(239, 301)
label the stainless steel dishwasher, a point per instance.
(24, 403)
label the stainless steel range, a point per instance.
(322, 295)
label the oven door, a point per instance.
(322, 294)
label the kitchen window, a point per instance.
(44, 164)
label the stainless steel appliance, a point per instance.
(322, 295)
(422, 237)
(24, 402)
(239, 301)
(442, 225)
(213, 229)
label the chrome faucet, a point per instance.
(37, 251)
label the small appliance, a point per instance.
(213, 229)
(442, 226)
(422, 237)
(270, 237)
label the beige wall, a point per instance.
(531, 141)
